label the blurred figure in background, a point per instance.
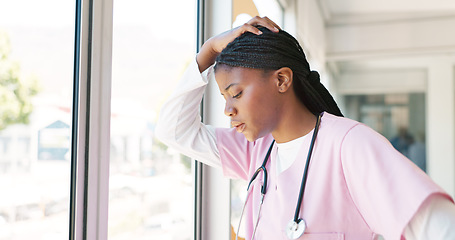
(402, 141)
(417, 152)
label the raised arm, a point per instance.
(179, 125)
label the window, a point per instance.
(151, 186)
(36, 70)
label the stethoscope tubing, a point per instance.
(263, 190)
(305, 172)
(263, 169)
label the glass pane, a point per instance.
(398, 117)
(36, 70)
(151, 186)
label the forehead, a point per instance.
(226, 76)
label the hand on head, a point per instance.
(213, 47)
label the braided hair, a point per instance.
(272, 51)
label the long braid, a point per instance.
(272, 51)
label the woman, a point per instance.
(355, 184)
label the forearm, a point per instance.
(206, 57)
(179, 125)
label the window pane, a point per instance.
(36, 71)
(151, 193)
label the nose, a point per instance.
(229, 110)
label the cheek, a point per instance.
(262, 110)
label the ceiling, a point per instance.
(358, 11)
(388, 6)
(402, 29)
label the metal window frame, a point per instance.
(75, 116)
(198, 167)
(91, 120)
(215, 197)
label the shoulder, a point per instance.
(335, 127)
(349, 131)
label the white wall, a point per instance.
(311, 32)
(374, 39)
(440, 122)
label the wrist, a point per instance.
(206, 56)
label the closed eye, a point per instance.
(238, 95)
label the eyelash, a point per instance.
(238, 95)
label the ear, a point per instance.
(284, 78)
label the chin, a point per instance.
(251, 137)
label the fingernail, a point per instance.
(276, 29)
(260, 32)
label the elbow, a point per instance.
(163, 132)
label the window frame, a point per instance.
(215, 212)
(90, 147)
(91, 120)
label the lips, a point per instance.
(239, 127)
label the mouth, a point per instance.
(239, 127)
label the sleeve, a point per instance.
(435, 220)
(387, 188)
(179, 125)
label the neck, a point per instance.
(296, 121)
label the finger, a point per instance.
(265, 22)
(246, 27)
(272, 22)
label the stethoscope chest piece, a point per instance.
(294, 230)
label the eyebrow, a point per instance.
(230, 85)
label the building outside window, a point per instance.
(151, 186)
(36, 75)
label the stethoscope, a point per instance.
(296, 227)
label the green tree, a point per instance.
(15, 91)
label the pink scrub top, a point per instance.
(358, 185)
